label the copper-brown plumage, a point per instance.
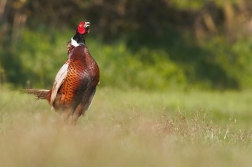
(75, 83)
(81, 80)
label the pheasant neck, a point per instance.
(75, 43)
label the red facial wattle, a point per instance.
(81, 28)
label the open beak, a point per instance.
(87, 24)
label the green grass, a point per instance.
(129, 128)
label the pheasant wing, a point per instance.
(59, 79)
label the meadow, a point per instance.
(129, 128)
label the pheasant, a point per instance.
(75, 83)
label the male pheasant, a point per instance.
(75, 83)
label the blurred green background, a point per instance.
(149, 45)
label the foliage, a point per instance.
(164, 44)
(170, 62)
(39, 63)
(196, 4)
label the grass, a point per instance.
(129, 128)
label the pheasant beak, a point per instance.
(87, 25)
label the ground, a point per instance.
(129, 128)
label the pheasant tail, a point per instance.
(39, 93)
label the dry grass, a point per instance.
(128, 129)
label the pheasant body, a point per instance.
(80, 82)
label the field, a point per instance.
(129, 128)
